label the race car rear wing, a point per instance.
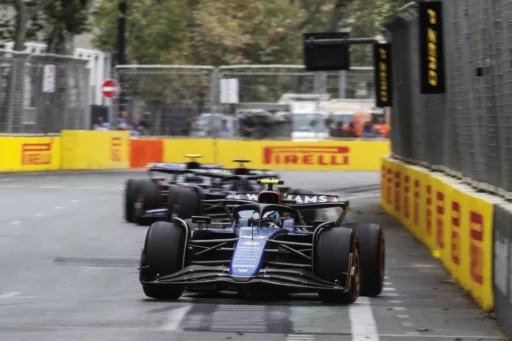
(181, 168)
(291, 198)
(226, 175)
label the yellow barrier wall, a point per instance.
(77, 149)
(95, 149)
(320, 155)
(29, 154)
(453, 221)
(175, 150)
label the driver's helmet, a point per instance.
(273, 217)
(190, 177)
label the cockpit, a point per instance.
(272, 214)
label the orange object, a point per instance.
(144, 151)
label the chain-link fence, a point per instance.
(466, 131)
(31, 104)
(172, 96)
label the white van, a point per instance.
(308, 123)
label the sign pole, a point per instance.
(121, 47)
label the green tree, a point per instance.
(366, 18)
(27, 23)
(157, 30)
(6, 23)
(17, 28)
(64, 20)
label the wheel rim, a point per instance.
(382, 255)
(355, 262)
(138, 206)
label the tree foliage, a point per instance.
(53, 22)
(233, 31)
(65, 19)
(10, 27)
(366, 19)
(230, 32)
(204, 31)
(156, 29)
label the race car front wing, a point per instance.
(298, 280)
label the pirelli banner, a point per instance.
(432, 68)
(382, 67)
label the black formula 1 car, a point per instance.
(261, 247)
(151, 199)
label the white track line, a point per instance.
(451, 337)
(175, 317)
(362, 321)
(9, 294)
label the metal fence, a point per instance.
(175, 94)
(465, 132)
(27, 107)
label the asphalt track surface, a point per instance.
(68, 272)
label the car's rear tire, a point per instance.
(371, 238)
(336, 252)
(147, 197)
(129, 199)
(308, 215)
(184, 202)
(162, 255)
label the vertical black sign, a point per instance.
(432, 70)
(382, 67)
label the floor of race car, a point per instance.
(68, 272)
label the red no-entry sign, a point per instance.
(110, 88)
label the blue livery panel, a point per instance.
(172, 166)
(211, 165)
(162, 212)
(246, 260)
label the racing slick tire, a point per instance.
(147, 197)
(308, 215)
(336, 259)
(162, 255)
(184, 202)
(129, 199)
(371, 238)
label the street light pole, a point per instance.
(121, 47)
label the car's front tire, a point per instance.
(147, 197)
(162, 255)
(184, 202)
(336, 259)
(129, 199)
(371, 238)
